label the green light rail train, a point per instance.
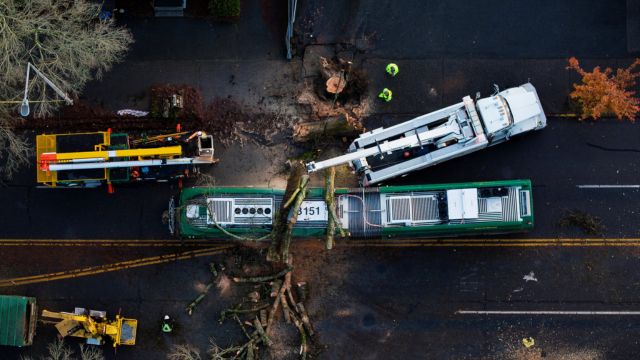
(440, 210)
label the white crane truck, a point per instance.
(427, 140)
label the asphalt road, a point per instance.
(482, 29)
(379, 303)
(558, 159)
(390, 301)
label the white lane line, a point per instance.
(544, 312)
(608, 186)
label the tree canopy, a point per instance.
(68, 42)
(603, 92)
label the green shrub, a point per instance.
(225, 9)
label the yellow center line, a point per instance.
(463, 240)
(108, 243)
(93, 270)
(125, 263)
(505, 244)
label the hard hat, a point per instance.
(166, 317)
(199, 133)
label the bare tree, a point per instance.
(183, 352)
(90, 352)
(66, 40)
(58, 350)
(14, 149)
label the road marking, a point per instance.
(109, 243)
(99, 269)
(536, 242)
(546, 312)
(608, 186)
(493, 245)
(499, 240)
(425, 242)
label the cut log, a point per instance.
(276, 304)
(285, 308)
(263, 334)
(303, 337)
(336, 84)
(257, 279)
(305, 318)
(275, 288)
(192, 306)
(237, 310)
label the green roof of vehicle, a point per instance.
(17, 322)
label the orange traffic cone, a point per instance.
(110, 188)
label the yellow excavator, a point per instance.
(94, 326)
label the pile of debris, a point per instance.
(269, 296)
(229, 122)
(589, 224)
(178, 102)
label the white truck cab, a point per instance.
(511, 112)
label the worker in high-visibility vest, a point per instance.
(385, 95)
(167, 324)
(392, 69)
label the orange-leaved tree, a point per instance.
(605, 92)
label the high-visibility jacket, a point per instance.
(392, 69)
(386, 94)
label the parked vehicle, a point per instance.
(382, 212)
(427, 140)
(18, 317)
(92, 159)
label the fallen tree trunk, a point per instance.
(261, 332)
(257, 279)
(192, 306)
(329, 191)
(304, 317)
(278, 233)
(293, 218)
(276, 304)
(335, 126)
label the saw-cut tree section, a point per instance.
(606, 92)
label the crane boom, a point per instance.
(416, 139)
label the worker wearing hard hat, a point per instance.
(392, 69)
(385, 95)
(167, 324)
